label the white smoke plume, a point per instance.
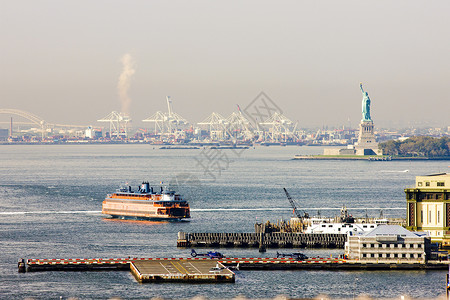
(124, 82)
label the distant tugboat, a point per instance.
(146, 204)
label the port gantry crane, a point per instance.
(294, 206)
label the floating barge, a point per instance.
(181, 270)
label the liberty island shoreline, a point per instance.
(369, 158)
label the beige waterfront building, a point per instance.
(388, 244)
(428, 207)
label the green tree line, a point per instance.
(418, 146)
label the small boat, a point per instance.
(145, 203)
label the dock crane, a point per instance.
(296, 211)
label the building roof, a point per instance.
(394, 230)
(439, 174)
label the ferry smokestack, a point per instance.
(145, 187)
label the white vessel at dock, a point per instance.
(343, 224)
(340, 227)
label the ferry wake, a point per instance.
(146, 204)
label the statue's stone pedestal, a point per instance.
(367, 144)
(366, 136)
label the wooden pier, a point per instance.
(321, 263)
(214, 270)
(264, 240)
(143, 269)
(75, 264)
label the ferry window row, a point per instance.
(392, 255)
(392, 245)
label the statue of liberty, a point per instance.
(365, 105)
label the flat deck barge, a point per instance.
(181, 270)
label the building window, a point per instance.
(421, 216)
(395, 245)
(372, 255)
(438, 217)
(419, 255)
(440, 184)
(388, 255)
(419, 184)
(427, 183)
(372, 245)
(404, 255)
(395, 255)
(364, 255)
(429, 216)
(419, 245)
(364, 245)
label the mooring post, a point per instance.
(447, 288)
(262, 247)
(21, 265)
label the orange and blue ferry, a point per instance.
(145, 203)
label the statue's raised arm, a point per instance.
(360, 86)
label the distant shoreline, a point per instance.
(365, 157)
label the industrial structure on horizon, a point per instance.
(170, 127)
(240, 127)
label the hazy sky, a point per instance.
(62, 60)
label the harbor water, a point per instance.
(51, 196)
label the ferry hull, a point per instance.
(146, 211)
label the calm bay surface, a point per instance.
(51, 195)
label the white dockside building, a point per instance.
(388, 244)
